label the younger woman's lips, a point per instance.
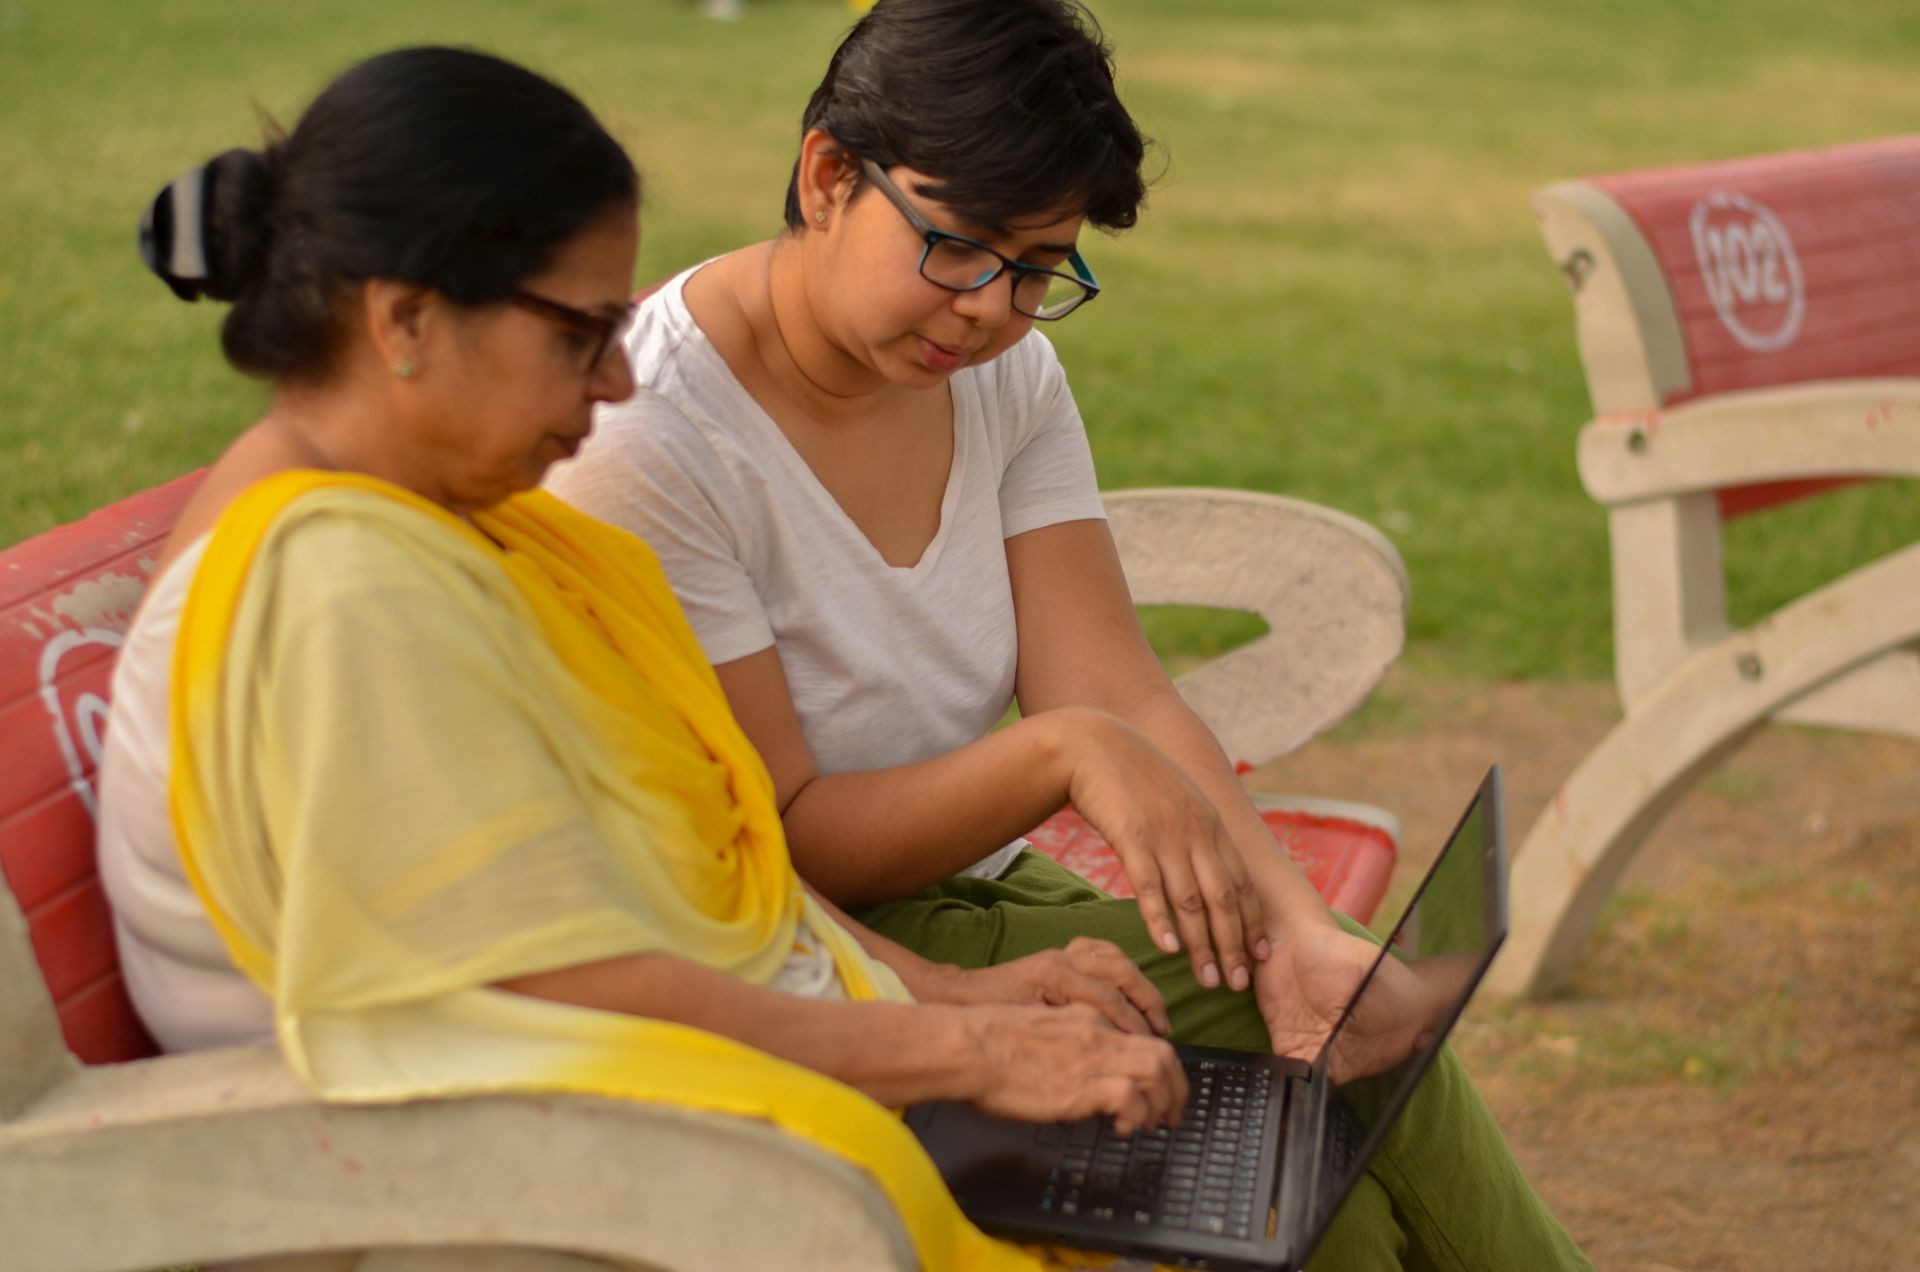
(939, 357)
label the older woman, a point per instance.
(868, 482)
(421, 772)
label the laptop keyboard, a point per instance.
(1345, 1135)
(1200, 1177)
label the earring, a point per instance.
(820, 218)
(404, 368)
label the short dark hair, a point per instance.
(445, 167)
(1009, 105)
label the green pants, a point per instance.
(1444, 1190)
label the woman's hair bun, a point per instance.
(207, 231)
(445, 168)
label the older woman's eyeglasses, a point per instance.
(961, 264)
(592, 333)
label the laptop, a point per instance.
(1267, 1148)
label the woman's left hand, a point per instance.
(1304, 987)
(1087, 970)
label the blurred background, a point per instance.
(1337, 292)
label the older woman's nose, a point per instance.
(612, 376)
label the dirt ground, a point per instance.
(1732, 1080)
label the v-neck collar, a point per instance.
(802, 472)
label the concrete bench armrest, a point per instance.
(1839, 428)
(225, 1155)
(1331, 589)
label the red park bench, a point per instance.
(1751, 337)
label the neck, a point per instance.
(339, 429)
(803, 360)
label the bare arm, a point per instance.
(896, 1053)
(1031, 1063)
(1081, 643)
(1087, 970)
(880, 834)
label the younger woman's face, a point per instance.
(873, 302)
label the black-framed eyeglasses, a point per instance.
(597, 331)
(961, 264)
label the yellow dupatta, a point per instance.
(406, 766)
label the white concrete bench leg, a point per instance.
(1584, 838)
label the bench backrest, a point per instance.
(66, 598)
(1751, 274)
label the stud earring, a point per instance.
(404, 368)
(820, 218)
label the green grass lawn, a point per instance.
(1337, 293)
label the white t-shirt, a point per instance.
(887, 664)
(178, 974)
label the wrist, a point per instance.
(1055, 739)
(1287, 896)
(934, 982)
(1066, 737)
(964, 1043)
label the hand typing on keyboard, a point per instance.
(1088, 970)
(1059, 1064)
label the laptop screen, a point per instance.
(1447, 938)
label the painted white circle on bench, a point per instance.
(1752, 275)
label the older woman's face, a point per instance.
(884, 313)
(516, 388)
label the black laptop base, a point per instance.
(1200, 1196)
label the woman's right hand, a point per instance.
(1060, 1064)
(1187, 873)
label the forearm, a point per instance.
(897, 1053)
(1285, 892)
(862, 838)
(921, 976)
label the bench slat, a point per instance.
(100, 1026)
(67, 939)
(1785, 170)
(46, 563)
(1837, 207)
(32, 871)
(1881, 353)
